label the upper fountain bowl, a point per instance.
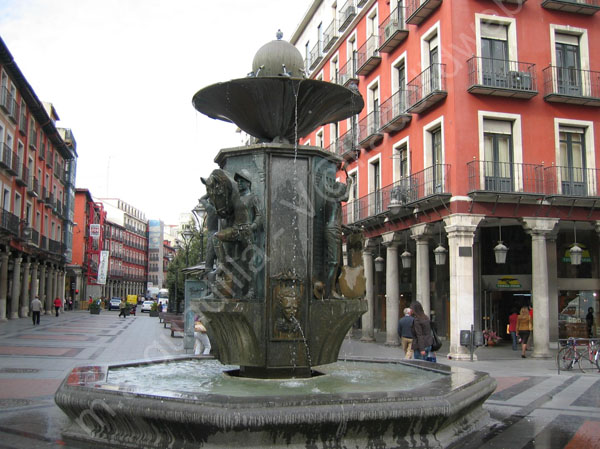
(275, 103)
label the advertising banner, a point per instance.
(95, 231)
(103, 267)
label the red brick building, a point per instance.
(481, 124)
(37, 178)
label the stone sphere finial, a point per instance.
(278, 58)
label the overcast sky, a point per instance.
(121, 74)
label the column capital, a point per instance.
(369, 245)
(420, 231)
(462, 223)
(539, 225)
(389, 238)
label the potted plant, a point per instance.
(154, 309)
(490, 337)
(95, 308)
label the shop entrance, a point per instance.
(498, 305)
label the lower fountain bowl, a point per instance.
(356, 403)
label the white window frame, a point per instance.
(584, 51)
(376, 158)
(432, 32)
(427, 141)
(405, 142)
(511, 33)
(590, 151)
(517, 140)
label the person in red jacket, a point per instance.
(57, 304)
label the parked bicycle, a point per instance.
(583, 353)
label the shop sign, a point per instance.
(95, 230)
(508, 282)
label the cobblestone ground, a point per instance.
(533, 407)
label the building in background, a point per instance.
(478, 140)
(34, 222)
(156, 255)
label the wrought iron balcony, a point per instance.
(566, 85)
(9, 104)
(368, 56)
(330, 36)
(393, 113)
(368, 131)
(32, 185)
(347, 14)
(502, 78)
(572, 181)
(347, 73)
(505, 178)
(55, 247)
(22, 175)
(9, 222)
(408, 192)
(15, 166)
(587, 7)
(392, 31)
(316, 55)
(427, 88)
(418, 10)
(35, 237)
(5, 156)
(23, 122)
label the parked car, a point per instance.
(147, 305)
(114, 303)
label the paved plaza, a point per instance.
(533, 406)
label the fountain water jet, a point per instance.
(274, 309)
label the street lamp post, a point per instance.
(173, 301)
(187, 235)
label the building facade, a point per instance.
(479, 135)
(37, 173)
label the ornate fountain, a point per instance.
(279, 304)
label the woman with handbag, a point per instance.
(524, 327)
(423, 339)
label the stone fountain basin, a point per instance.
(278, 107)
(434, 414)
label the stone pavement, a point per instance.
(533, 407)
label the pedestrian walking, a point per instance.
(423, 339)
(36, 309)
(122, 309)
(589, 321)
(512, 327)
(524, 327)
(57, 304)
(405, 332)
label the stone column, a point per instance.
(392, 291)
(367, 318)
(419, 234)
(461, 233)
(3, 283)
(35, 282)
(49, 297)
(54, 284)
(553, 286)
(15, 292)
(42, 287)
(539, 229)
(25, 299)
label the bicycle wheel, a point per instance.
(566, 358)
(586, 360)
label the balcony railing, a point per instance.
(55, 247)
(22, 175)
(368, 56)
(9, 104)
(345, 146)
(35, 237)
(427, 88)
(347, 73)
(574, 86)
(392, 31)
(347, 14)
(5, 156)
(316, 55)
(15, 166)
(571, 181)
(330, 36)
(502, 78)
(587, 7)
(505, 177)
(393, 113)
(9, 222)
(368, 130)
(411, 189)
(418, 10)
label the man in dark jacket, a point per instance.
(405, 333)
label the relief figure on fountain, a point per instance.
(335, 193)
(231, 242)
